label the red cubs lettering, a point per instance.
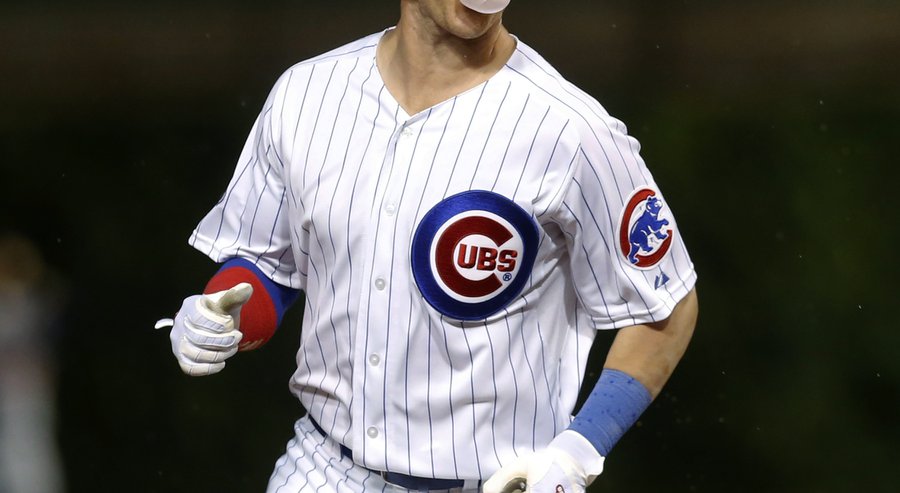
(446, 247)
(507, 260)
(486, 258)
(452, 255)
(467, 261)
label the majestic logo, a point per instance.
(644, 238)
(473, 253)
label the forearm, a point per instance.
(649, 353)
(639, 363)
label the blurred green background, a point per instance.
(771, 126)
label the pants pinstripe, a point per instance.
(313, 463)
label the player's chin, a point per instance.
(468, 24)
(471, 25)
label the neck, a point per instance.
(423, 64)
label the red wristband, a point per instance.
(259, 318)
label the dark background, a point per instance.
(771, 126)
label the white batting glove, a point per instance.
(206, 331)
(568, 465)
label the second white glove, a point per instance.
(206, 331)
(568, 465)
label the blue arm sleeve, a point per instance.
(614, 405)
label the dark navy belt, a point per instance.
(402, 480)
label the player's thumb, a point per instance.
(235, 297)
(229, 302)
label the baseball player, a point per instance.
(461, 221)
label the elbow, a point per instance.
(691, 309)
(683, 320)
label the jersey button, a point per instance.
(390, 209)
(372, 432)
(374, 360)
(380, 284)
(407, 132)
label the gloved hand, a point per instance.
(206, 331)
(568, 465)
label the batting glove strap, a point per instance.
(572, 446)
(552, 474)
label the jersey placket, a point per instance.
(374, 323)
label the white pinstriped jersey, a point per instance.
(329, 193)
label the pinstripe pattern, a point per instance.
(313, 463)
(326, 197)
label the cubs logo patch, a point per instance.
(472, 254)
(645, 232)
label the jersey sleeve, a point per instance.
(251, 219)
(628, 261)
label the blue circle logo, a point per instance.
(473, 253)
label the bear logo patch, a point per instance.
(645, 230)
